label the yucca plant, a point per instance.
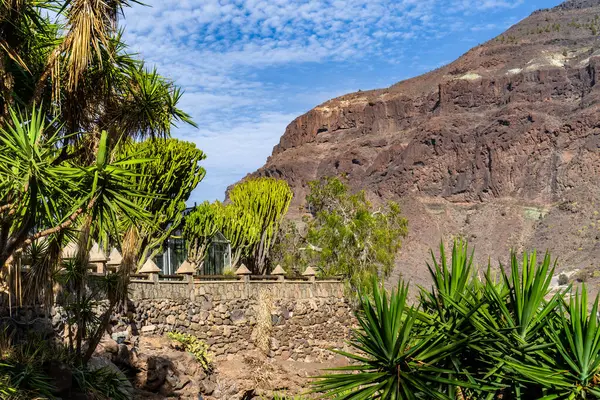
(572, 369)
(456, 296)
(506, 337)
(22, 374)
(512, 323)
(24, 381)
(103, 383)
(396, 356)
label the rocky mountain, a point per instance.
(501, 146)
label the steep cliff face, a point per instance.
(495, 146)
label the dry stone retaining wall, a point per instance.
(307, 318)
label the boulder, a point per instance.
(120, 337)
(97, 363)
(61, 377)
(123, 356)
(148, 329)
(109, 345)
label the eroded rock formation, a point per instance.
(495, 146)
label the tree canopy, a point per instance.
(169, 176)
(345, 235)
(70, 95)
(250, 221)
(72, 79)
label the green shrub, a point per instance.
(494, 335)
(279, 396)
(103, 384)
(195, 346)
(22, 374)
(24, 381)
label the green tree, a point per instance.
(41, 196)
(259, 205)
(170, 176)
(350, 237)
(250, 221)
(79, 94)
(200, 225)
(85, 84)
(78, 67)
(288, 249)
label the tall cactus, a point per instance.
(268, 200)
(200, 226)
(242, 228)
(250, 221)
(170, 177)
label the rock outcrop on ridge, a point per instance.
(501, 146)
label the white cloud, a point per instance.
(484, 27)
(235, 148)
(224, 34)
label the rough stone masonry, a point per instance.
(307, 318)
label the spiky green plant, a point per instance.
(455, 297)
(22, 373)
(103, 383)
(571, 366)
(512, 321)
(24, 381)
(508, 338)
(396, 355)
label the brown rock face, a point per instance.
(492, 146)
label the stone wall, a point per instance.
(307, 317)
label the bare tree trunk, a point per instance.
(15, 241)
(235, 259)
(97, 336)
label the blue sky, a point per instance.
(249, 67)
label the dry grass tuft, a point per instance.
(264, 324)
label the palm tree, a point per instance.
(41, 196)
(86, 87)
(69, 94)
(78, 67)
(25, 42)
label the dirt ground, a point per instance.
(246, 375)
